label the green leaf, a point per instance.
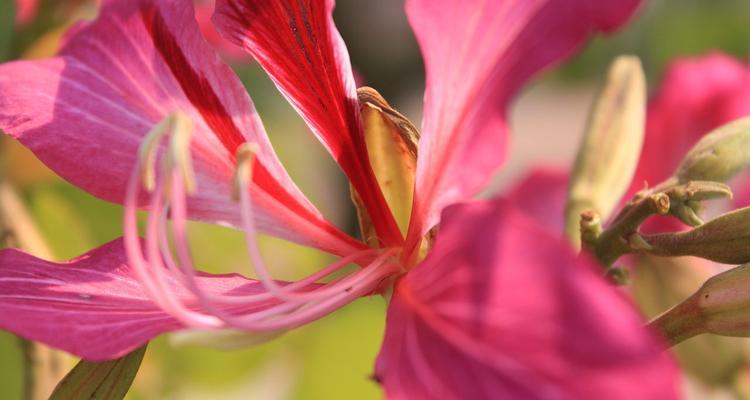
(109, 380)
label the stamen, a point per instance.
(149, 271)
(243, 176)
(166, 263)
(148, 149)
(179, 151)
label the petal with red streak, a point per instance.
(502, 309)
(477, 55)
(93, 306)
(297, 43)
(85, 113)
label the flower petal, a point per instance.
(477, 55)
(204, 9)
(86, 112)
(93, 306)
(541, 195)
(297, 43)
(502, 309)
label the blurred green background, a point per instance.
(332, 358)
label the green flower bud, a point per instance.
(719, 155)
(721, 306)
(658, 284)
(725, 239)
(611, 145)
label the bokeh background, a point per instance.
(332, 358)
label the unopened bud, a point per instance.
(721, 306)
(725, 239)
(611, 146)
(659, 284)
(719, 155)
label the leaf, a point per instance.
(107, 380)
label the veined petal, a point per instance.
(93, 306)
(477, 55)
(297, 43)
(502, 309)
(85, 113)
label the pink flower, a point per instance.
(498, 308)
(26, 11)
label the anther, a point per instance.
(246, 154)
(147, 151)
(179, 150)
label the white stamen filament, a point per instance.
(171, 282)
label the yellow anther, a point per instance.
(243, 173)
(179, 149)
(147, 151)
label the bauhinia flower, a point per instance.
(138, 109)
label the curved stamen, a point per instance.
(166, 263)
(243, 176)
(144, 172)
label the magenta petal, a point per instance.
(541, 195)
(503, 310)
(86, 112)
(477, 55)
(93, 306)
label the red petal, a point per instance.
(502, 310)
(93, 306)
(477, 55)
(298, 45)
(696, 95)
(86, 112)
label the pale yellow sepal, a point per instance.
(611, 146)
(392, 148)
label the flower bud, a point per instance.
(659, 283)
(611, 145)
(719, 155)
(725, 239)
(721, 306)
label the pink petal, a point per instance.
(93, 306)
(477, 55)
(296, 42)
(541, 195)
(503, 310)
(86, 112)
(203, 11)
(26, 11)
(696, 95)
